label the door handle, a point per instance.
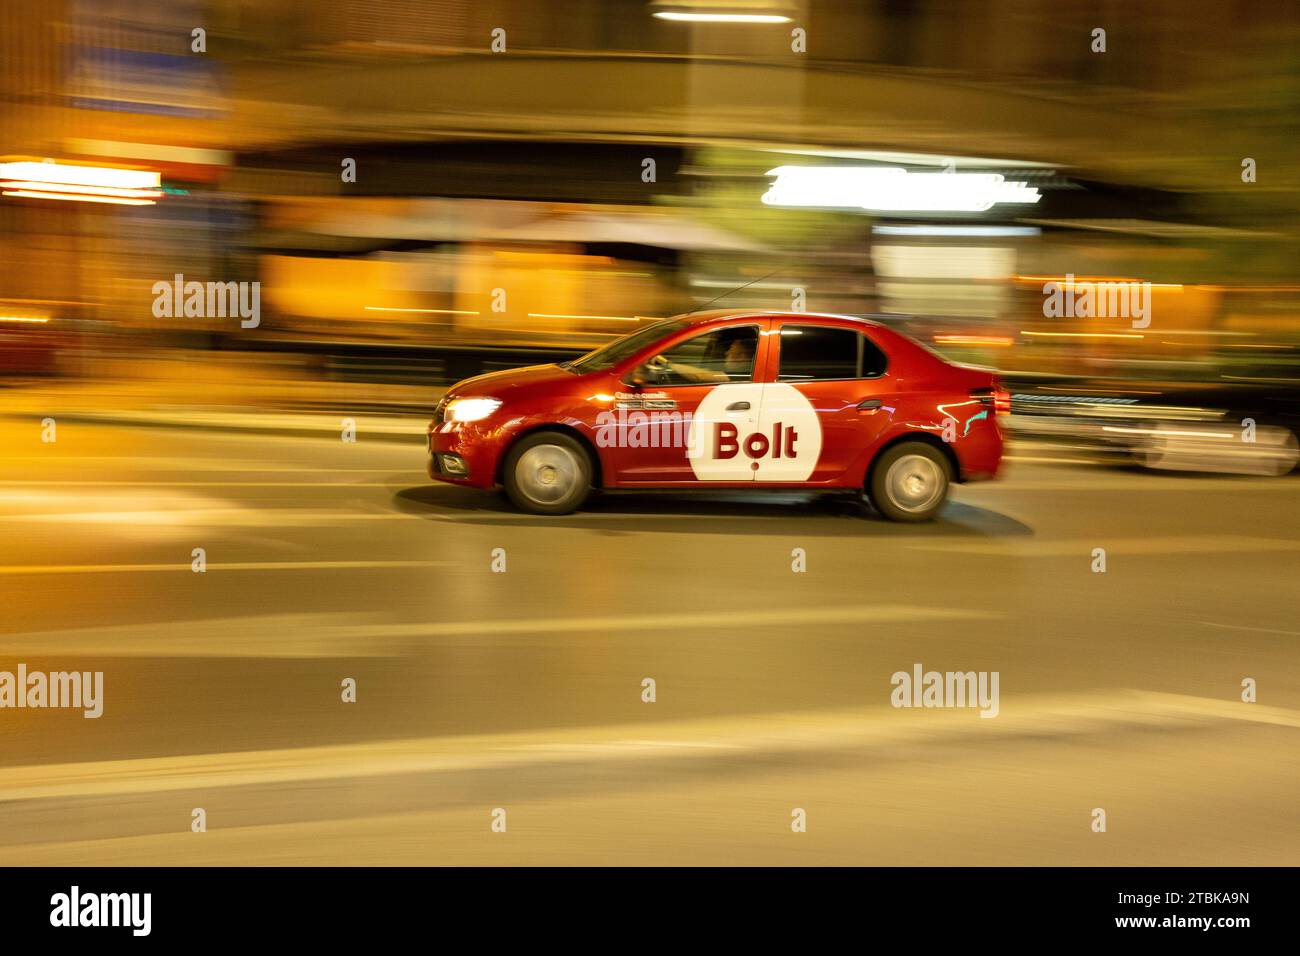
(738, 407)
(868, 403)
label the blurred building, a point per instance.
(504, 145)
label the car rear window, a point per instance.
(811, 353)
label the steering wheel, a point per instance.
(656, 369)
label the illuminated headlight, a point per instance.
(470, 409)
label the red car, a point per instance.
(728, 399)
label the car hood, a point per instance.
(499, 384)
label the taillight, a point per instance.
(995, 397)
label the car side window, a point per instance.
(811, 353)
(723, 355)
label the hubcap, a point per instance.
(915, 483)
(547, 473)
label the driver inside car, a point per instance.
(738, 362)
(728, 357)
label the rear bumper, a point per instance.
(980, 453)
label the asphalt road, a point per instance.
(522, 690)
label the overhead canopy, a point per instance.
(366, 224)
(661, 230)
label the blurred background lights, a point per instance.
(722, 11)
(50, 180)
(893, 189)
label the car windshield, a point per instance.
(607, 356)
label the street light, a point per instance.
(721, 11)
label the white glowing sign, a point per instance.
(891, 189)
(67, 181)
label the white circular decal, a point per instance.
(777, 437)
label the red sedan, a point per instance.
(728, 399)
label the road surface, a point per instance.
(521, 690)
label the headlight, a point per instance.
(470, 409)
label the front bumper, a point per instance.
(449, 466)
(463, 454)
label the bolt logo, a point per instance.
(757, 444)
(754, 432)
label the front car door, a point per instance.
(687, 409)
(829, 399)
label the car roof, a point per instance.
(719, 315)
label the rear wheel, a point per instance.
(910, 482)
(547, 473)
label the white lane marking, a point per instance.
(1073, 547)
(1257, 630)
(204, 464)
(470, 517)
(267, 636)
(1106, 482)
(214, 566)
(211, 517)
(1053, 461)
(1033, 444)
(196, 484)
(153, 511)
(331, 635)
(728, 619)
(251, 420)
(785, 733)
(305, 517)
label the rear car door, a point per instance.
(829, 399)
(687, 409)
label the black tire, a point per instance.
(911, 465)
(547, 473)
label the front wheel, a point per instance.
(547, 473)
(910, 482)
